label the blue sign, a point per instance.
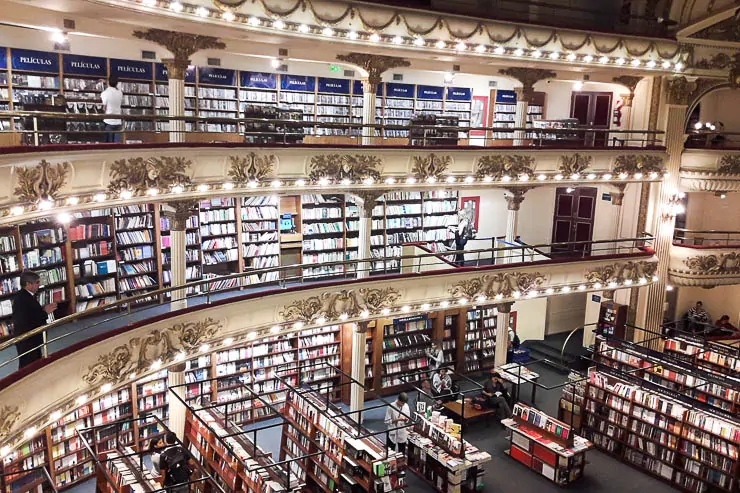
(606, 196)
(358, 91)
(334, 86)
(429, 92)
(217, 76)
(396, 90)
(297, 83)
(3, 58)
(160, 73)
(94, 66)
(37, 61)
(596, 298)
(259, 80)
(506, 97)
(131, 69)
(459, 94)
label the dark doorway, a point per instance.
(592, 109)
(573, 220)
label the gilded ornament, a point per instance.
(431, 166)
(366, 200)
(252, 167)
(331, 305)
(178, 212)
(635, 163)
(340, 167)
(628, 81)
(725, 263)
(528, 77)
(502, 285)
(374, 66)
(727, 30)
(139, 174)
(679, 90)
(729, 165)
(181, 45)
(622, 271)
(41, 182)
(140, 352)
(574, 164)
(9, 416)
(497, 166)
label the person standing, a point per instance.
(28, 314)
(175, 465)
(436, 356)
(396, 415)
(112, 98)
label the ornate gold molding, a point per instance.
(622, 271)
(339, 167)
(729, 165)
(374, 65)
(181, 45)
(635, 163)
(138, 174)
(618, 196)
(367, 200)
(493, 286)
(498, 166)
(574, 164)
(723, 263)
(678, 90)
(178, 212)
(9, 416)
(332, 304)
(628, 81)
(140, 352)
(514, 197)
(41, 182)
(251, 168)
(431, 166)
(528, 77)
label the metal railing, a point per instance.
(65, 331)
(709, 139)
(35, 128)
(706, 237)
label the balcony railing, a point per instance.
(72, 329)
(32, 128)
(707, 139)
(710, 238)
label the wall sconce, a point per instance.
(674, 206)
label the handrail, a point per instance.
(358, 265)
(705, 238)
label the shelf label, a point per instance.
(131, 69)
(334, 86)
(259, 80)
(396, 90)
(297, 83)
(84, 65)
(217, 76)
(503, 96)
(412, 318)
(39, 61)
(3, 58)
(459, 94)
(358, 91)
(596, 298)
(160, 73)
(429, 92)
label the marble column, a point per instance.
(176, 423)
(514, 198)
(357, 392)
(176, 98)
(365, 203)
(678, 94)
(178, 213)
(502, 333)
(528, 78)
(369, 95)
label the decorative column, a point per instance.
(366, 203)
(176, 376)
(514, 198)
(374, 66)
(178, 214)
(630, 82)
(528, 77)
(357, 392)
(182, 46)
(502, 333)
(679, 91)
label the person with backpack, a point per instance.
(174, 465)
(512, 344)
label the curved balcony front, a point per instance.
(705, 258)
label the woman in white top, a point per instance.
(397, 414)
(436, 355)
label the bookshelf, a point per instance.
(81, 86)
(570, 405)
(401, 224)
(260, 236)
(450, 339)
(43, 250)
(138, 271)
(546, 445)
(17, 465)
(136, 81)
(370, 359)
(298, 92)
(10, 269)
(193, 267)
(480, 339)
(333, 105)
(94, 267)
(405, 344)
(118, 472)
(219, 243)
(439, 213)
(398, 106)
(612, 319)
(504, 112)
(162, 96)
(151, 398)
(715, 358)
(198, 373)
(217, 98)
(323, 227)
(5, 98)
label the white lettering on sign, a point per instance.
(94, 66)
(298, 82)
(36, 61)
(216, 76)
(127, 68)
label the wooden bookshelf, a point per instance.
(92, 250)
(11, 264)
(406, 342)
(260, 237)
(716, 358)
(43, 250)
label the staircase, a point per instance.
(550, 348)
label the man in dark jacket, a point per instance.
(497, 395)
(175, 465)
(27, 315)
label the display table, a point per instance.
(517, 375)
(470, 413)
(442, 460)
(546, 445)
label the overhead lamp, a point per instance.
(480, 49)
(419, 41)
(451, 179)
(346, 182)
(517, 294)
(607, 176)
(578, 86)
(669, 287)
(533, 294)
(29, 433)
(275, 62)
(276, 184)
(397, 40)
(554, 55)
(300, 183)
(523, 177)
(489, 179)
(202, 187)
(613, 284)
(55, 416)
(581, 287)
(390, 180)
(405, 308)
(297, 325)
(604, 59)
(425, 306)
(673, 207)
(462, 301)
(498, 296)
(635, 63)
(597, 285)
(385, 311)
(278, 24)
(178, 189)
(650, 64)
(228, 341)
(202, 12)
(204, 347)
(506, 178)
(469, 179)
(499, 50)
(449, 77)
(565, 289)
(549, 291)
(352, 35)
(588, 59)
(481, 298)
(327, 31)
(558, 177)
(253, 335)
(410, 180)
(536, 54)
(73, 200)
(432, 179)
(628, 282)
(343, 317)
(59, 36)
(176, 7)
(374, 37)
(152, 192)
(106, 388)
(440, 44)
(64, 217)
(303, 28)
(591, 176)
(666, 64)
(541, 177)
(638, 176)
(519, 52)
(571, 57)
(620, 61)
(461, 46)
(180, 356)
(228, 16)
(444, 304)
(274, 329)
(364, 314)
(623, 176)
(81, 399)
(678, 66)
(253, 21)
(126, 194)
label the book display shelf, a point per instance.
(659, 433)
(715, 358)
(151, 399)
(217, 98)
(136, 241)
(480, 339)
(193, 267)
(406, 342)
(162, 95)
(439, 210)
(10, 270)
(43, 250)
(82, 83)
(17, 467)
(5, 103)
(547, 446)
(136, 81)
(504, 112)
(570, 405)
(119, 472)
(438, 455)
(94, 265)
(260, 236)
(450, 339)
(717, 390)
(219, 243)
(612, 320)
(324, 234)
(353, 460)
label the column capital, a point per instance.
(374, 65)
(679, 90)
(178, 368)
(618, 196)
(514, 197)
(361, 327)
(504, 307)
(630, 82)
(178, 212)
(181, 45)
(528, 77)
(366, 201)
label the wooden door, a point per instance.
(592, 109)
(573, 220)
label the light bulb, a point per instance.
(152, 192)
(278, 24)
(519, 52)
(451, 179)
(352, 35)
(444, 304)
(536, 54)
(440, 44)
(303, 28)
(418, 41)
(390, 180)
(300, 183)
(397, 40)
(276, 183)
(405, 308)
(276, 328)
(542, 177)
(252, 184)
(480, 49)
(73, 200)
(178, 189)
(571, 57)
(228, 16)
(202, 12)
(635, 63)
(461, 46)
(203, 187)
(604, 59)
(666, 64)
(650, 64)
(253, 21)
(620, 61)
(275, 62)
(374, 37)
(204, 347)
(565, 289)
(327, 31)
(469, 179)
(607, 176)
(176, 7)
(554, 55)
(126, 194)
(410, 180)
(678, 66)
(106, 388)
(499, 50)
(588, 59)
(64, 217)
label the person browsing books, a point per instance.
(397, 414)
(442, 384)
(28, 314)
(437, 356)
(175, 465)
(498, 397)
